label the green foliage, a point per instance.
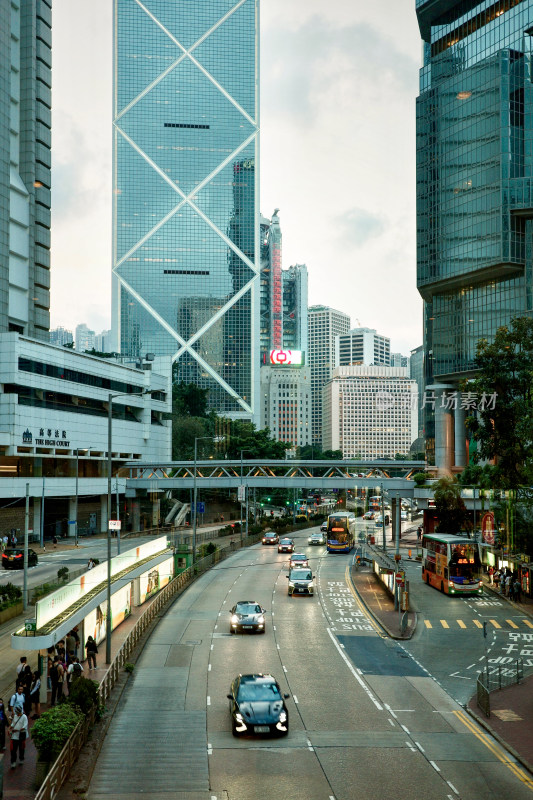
(83, 693)
(207, 549)
(420, 478)
(244, 435)
(188, 399)
(52, 730)
(315, 453)
(479, 476)
(129, 667)
(62, 574)
(503, 430)
(449, 506)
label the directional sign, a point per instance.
(200, 508)
(114, 525)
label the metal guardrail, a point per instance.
(60, 770)
(499, 678)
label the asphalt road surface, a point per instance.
(366, 719)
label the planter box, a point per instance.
(12, 611)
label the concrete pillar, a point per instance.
(444, 429)
(71, 516)
(156, 512)
(36, 524)
(103, 513)
(460, 436)
(394, 511)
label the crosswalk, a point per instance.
(516, 624)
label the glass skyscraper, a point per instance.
(186, 222)
(474, 184)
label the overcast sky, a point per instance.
(338, 88)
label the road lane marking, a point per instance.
(216, 626)
(427, 623)
(477, 623)
(391, 722)
(295, 699)
(496, 624)
(208, 700)
(511, 623)
(452, 787)
(461, 623)
(284, 669)
(434, 766)
(389, 709)
(495, 749)
(209, 667)
(528, 623)
(420, 747)
(406, 730)
(444, 623)
(353, 671)
(279, 648)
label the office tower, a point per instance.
(60, 336)
(362, 346)
(103, 342)
(286, 403)
(474, 195)
(25, 138)
(185, 219)
(283, 303)
(325, 324)
(369, 412)
(397, 360)
(85, 338)
(416, 372)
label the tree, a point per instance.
(189, 400)
(449, 506)
(502, 426)
(257, 443)
(184, 431)
(314, 452)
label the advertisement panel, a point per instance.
(488, 528)
(58, 601)
(287, 358)
(95, 623)
(155, 579)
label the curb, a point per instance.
(381, 624)
(507, 747)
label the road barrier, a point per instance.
(59, 771)
(499, 678)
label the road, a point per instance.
(366, 720)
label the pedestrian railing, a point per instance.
(498, 678)
(59, 771)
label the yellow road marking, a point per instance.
(444, 623)
(496, 624)
(461, 623)
(511, 623)
(495, 750)
(528, 623)
(427, 623)
(477, 623)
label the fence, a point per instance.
(499, 678)
(60, 770)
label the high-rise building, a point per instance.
(369, 412)
(474, 192)
(283, 304)
(25, 138)
(362, 346)
(325, 324)
(85, 338)
(398, 360)
(416, 372)
(186, 256)
(103, 342)
(286, 403)
(60, 336)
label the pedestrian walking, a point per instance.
(508, 583)
(419, 533)
(70, 643)
(17, 699)
(54, 542)
(75, 671)
(517, 590)
(5, 541)
(26, 678)
(491, 575)
(4, 724)
(92, 652)
(19, 733)
(35, 695)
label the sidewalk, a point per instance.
(511, 720)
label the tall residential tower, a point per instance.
(186, 223)
(474, 191)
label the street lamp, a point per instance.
(245, 497)
(195, 488)
(83, 449)
(112, 397)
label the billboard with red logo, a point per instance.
(286, 358)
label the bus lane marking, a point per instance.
(477, 623)
(427, 623)
(461, 623)
(444, 623)
(496, 624)
(528, 623)
(353, 671)
(512, 624)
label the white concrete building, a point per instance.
(370, 412)
(286, 403)
(54, 424)
(85, 338)
(362, 346)
(324, 325)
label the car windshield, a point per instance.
(286, 541)
(258, 692)
(15, 552)
(301, 575)
(298, 557)
(248, 608)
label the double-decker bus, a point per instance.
(451, 563)
(341, 532)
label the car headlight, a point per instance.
(283, 716)
(235, 619)
(291, 584)
(261, 620)
(310, 585)
(238, 717)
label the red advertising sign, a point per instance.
(488, 528)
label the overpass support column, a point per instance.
(103, 513)
(444, 428)
(71, 516)
(36, 518)
(460, 437)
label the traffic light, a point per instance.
(268, 499)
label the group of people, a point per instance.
(14, 718)
(507, 582)
(64, 664)
(8, 541)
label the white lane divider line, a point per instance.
(208, 700)
(410, 746)
(434, 766)
(310, 746)
(391, 712)
(212, 646)
(284, 669)
(209, 749)
(353, 671)
(216, 626)
(273, 627)
(420, 747)
(279, 648)
(406, 730)
(295, 699)
(209, 667)
(391, 722)
(452, 787)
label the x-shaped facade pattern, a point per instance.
(186, 223)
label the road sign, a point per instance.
(400, 578)
(241, 494)
(200, 508)
(30, 624)
(114, 525)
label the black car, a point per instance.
(13, 558)
(257, 706)
(247, 615)
(270, 538)
(285, 546)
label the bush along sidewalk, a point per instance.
(9, 596)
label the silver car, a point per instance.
(317, 538)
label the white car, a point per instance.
(403, 515)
